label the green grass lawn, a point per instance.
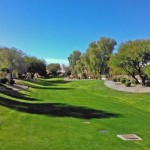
(50, 115)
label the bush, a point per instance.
(84, 76)
(134, 82)
(11, 82)
(114, 79)
(3, 80)
(119, 79)
(123, 80)
(147, 83)
(128, 84)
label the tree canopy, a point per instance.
(94, 61)
(35, 65)
(132, 57)
(16, 62)
(12, 59)
(74, 61)
(53, 69)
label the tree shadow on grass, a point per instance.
(50, 88)
(42, 82)
(47, 84)
(54, 82)
(56, 109)
(18, 95)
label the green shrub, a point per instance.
(84, 76)
(128, 84)
(3, 80)
(123, 80)
(119, 79)
(147, 83)
(135, 82)
(114, 79)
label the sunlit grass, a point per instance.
(25, 130)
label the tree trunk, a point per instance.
(133, 76)
(136, 79)
(143, 79)
(100, 76)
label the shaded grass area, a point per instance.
(54, 119)
(44, 82)
(56, 109)
(18, 95)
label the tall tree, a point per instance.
(147, 70)
(132, 58)
(98, 55)
(105, 47)
(86, 64)
(114, 66)
(53, 68)
(35, 65)
(74, 59)
(93, 61)
(12, 59)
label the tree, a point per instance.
(35, 65)
(93, 61)
(74, 60)
(98, 55)
(53, 69)
(147, 70)
(3, 72)
(106, 47)
(87, 69)
(114, 66)
(12, 59)
(132, 58)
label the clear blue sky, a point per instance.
(52, 29)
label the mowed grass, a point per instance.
(50, 115)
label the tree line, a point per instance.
(15, 63)
(132, 58)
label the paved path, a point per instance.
(122, 87)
